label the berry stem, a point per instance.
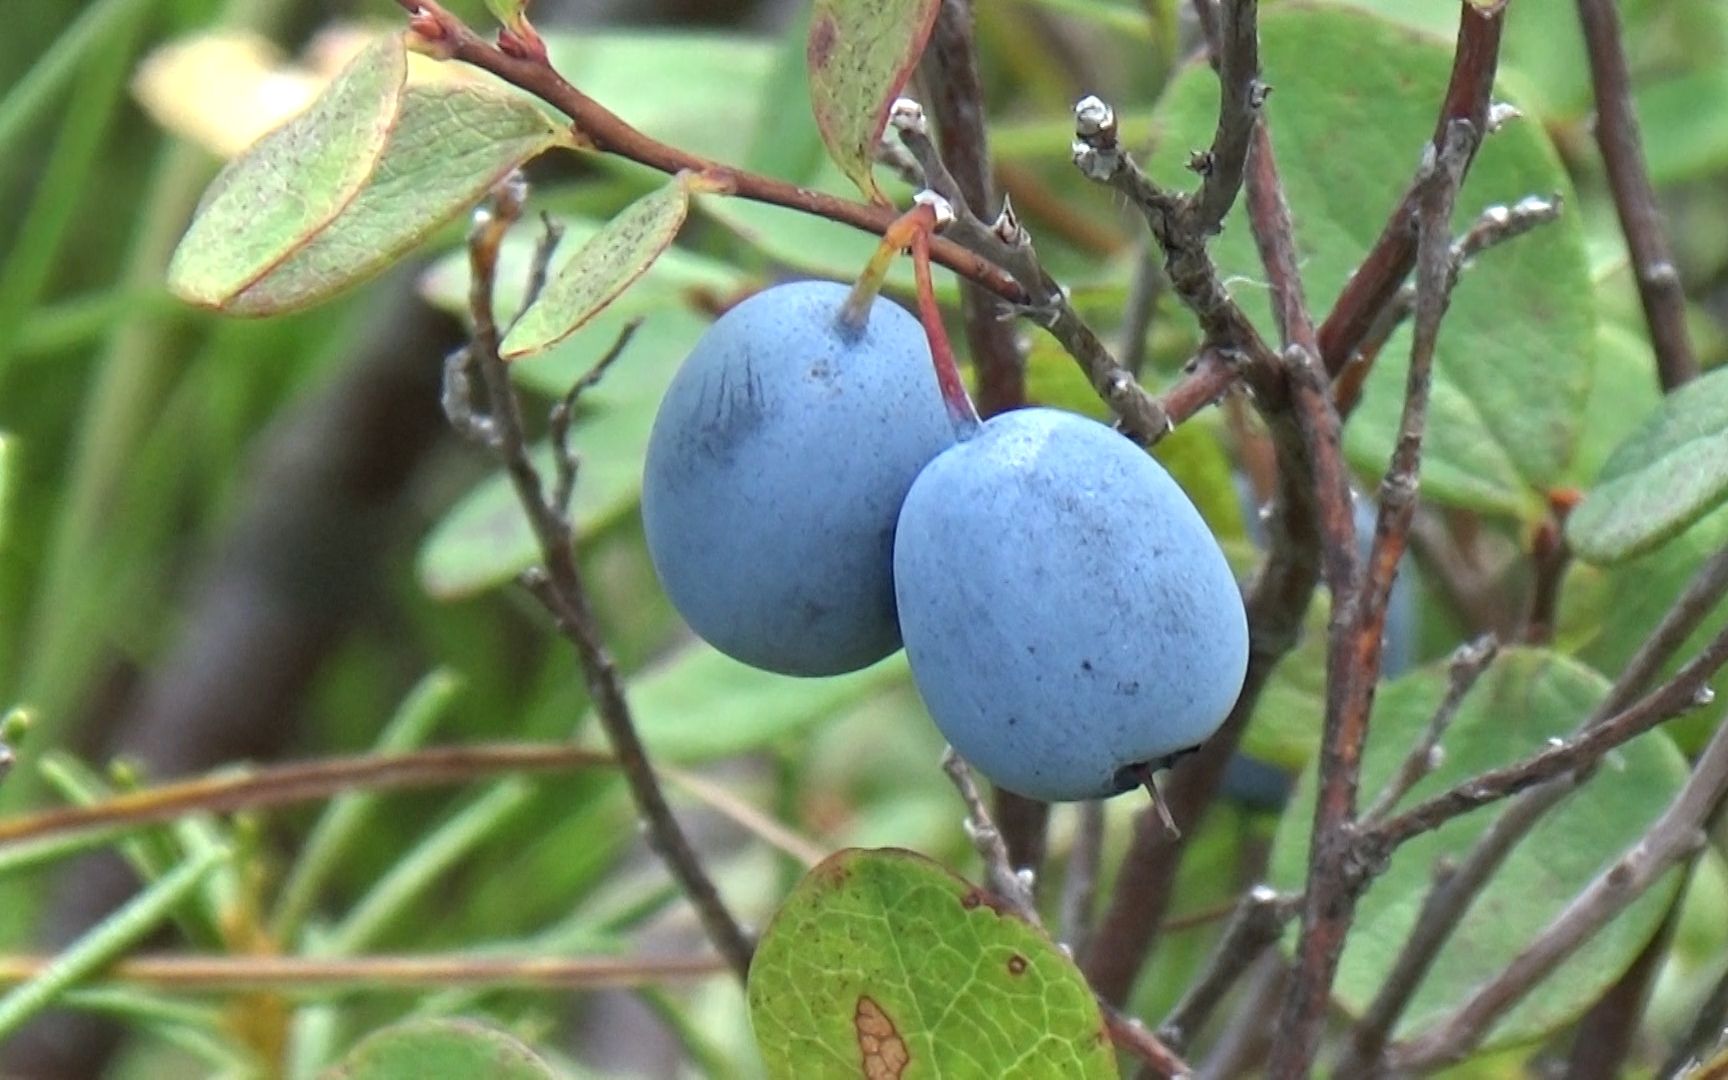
(960, 408)
(919, 220)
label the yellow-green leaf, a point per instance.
(268, 202)
(882, 963)
(426, 1049)
(860, 54)
(450, 144)
(600, 271)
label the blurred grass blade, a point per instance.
(8, 463)
(341, 822)
(113, 936)
(31, 95)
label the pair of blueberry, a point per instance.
(810, 505)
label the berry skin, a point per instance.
(775, 472)
(1067, 614)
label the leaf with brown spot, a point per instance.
(885, 958)
(885, 1053)
(861, 53)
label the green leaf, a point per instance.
(697, 91)
(1355, 99)
(440, 1050)
(600, 270)
(1684, 138)
(1526, 698)
(861, 53)
(883, 957)
(451, 143)
(271, 200)
(702, 704)
(1668, 474)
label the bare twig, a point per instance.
(540, 263)
(1014, 889)
(602, 129)
(1674, 836)
(1605, 1036)
(1258, 921)
(299, 782)
(1659, 286)
(1452, 894)
(1242, 1045)
(1466, 665)
(558, 584)
(1377, 280)
(1238, 52)
(1550, 555)
(228, 974)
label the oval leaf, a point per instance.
(273, 199)
(1355, 98)
(423, 1049)
(600, 270)
(883, 964)
(1526, 698)
(450, 145)
(861, 53)
(1667, 475)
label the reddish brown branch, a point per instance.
(1659, 287)
(602, 129)
(1376, 281)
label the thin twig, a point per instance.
(1659, 286)
(1242, 1045)
(300, 782)
(540, 263)
(1014, 889)
(304, 974)
(1707, 1032)
(1674, 836)
(1258, 921)
(558, 584)
(565, 461)
(1466, 665)
(1238, 51)
(1493, 226)
(1377, 279)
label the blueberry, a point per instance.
(1067, 615)
(775, 472)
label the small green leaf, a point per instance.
(1671, 472)
(450, 145)
(1528, 697)
(600, 270)
(882, 963)
(702, 704)
(861, 53)
(274, 198)
(440, 1050)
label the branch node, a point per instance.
(908, 116)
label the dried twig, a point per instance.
(1659, 286)
(1080, 880)
(1466, 665)
(558, 584)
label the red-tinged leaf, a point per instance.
(601, 270)
(861, 53)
